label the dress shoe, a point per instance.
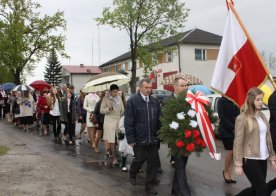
(156, 182)
(132, 180)
(160, 170)
(233, 181)
(150, 191)
(226, 180)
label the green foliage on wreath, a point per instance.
(187, 142)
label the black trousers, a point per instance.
(1, 108)
(180, 186)
(142, 153)
(255, 171)
(56, 125)
(70, 127)
(271, 185)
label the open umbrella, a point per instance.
(201, 88)
(7, 86)
(40, 85)
(23, 87)
(102, 82)
(192, 80)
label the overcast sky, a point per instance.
(210, 15)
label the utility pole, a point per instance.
(99, 47)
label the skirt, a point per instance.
(228, 143)
(26, 120)
(111, 125)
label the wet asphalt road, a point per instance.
(204, 174)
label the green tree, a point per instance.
(146, 22)
(53, 69)
(26, 37)
(5, 75)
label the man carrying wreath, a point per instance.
(179, 185)
(180, 130)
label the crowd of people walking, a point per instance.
(134, 125)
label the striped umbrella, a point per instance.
(23, 87)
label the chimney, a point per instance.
(81, 65)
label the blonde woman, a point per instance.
(253, 144)
(113, 108)
(55, 114)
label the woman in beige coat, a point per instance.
(253, 144)
(113, 108)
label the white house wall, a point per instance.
(79, 80)
(201, 69)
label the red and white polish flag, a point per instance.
(238, 67)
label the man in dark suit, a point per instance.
(180, 185)
(272, 121)
(142, 121)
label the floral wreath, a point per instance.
(180, 129)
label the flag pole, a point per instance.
(251, 42)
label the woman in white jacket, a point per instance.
(89, 104)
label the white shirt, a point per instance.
(55, 111)
(263, 145)
(68, 105)
(144, 97)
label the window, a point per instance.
(116, 68)
(124, 66)
(129, 66)
(169, 56)
(200, 54)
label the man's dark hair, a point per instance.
(147, 80)
(114, 87)
(177, 79)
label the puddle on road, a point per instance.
(20, 144)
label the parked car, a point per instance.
(127, 95)
(160, 94)
(213, 98)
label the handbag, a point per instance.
(92, 118)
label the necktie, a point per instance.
(147, 99)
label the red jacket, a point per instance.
(41, 103)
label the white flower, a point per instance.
(213, 126)
(174, 125)
(191, 113)
(180, 115)
(193, 123)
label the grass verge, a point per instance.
(3, 150)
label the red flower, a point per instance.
(198, 141)
(190, 147)
(179, 144)
(203, 145)
(188, 133)
(196, 133)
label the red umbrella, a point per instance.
(40, 85)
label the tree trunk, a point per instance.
(16, 76)
(133, 70)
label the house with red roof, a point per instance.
(78, 75)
